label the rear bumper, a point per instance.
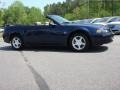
(6, 38)
(102, 39)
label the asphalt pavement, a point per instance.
(58, 68)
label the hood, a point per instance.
(88, 25)
(100, 23)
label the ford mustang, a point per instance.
(58, 32)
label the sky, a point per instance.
(37, 3)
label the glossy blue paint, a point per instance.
(57, 33)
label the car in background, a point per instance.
(95, 20)
(83, 21)
(86, 21)
(60, 32)
(106, 20)
(115, 27)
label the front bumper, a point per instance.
(116, 32)
(102, 39)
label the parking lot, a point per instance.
(58, 68)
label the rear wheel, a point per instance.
(79, 42)
(16, 43)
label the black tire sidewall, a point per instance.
(86, 39)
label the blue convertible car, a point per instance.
(58, 31)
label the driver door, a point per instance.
(50, 34)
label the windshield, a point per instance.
(59, 19)
(115, 19)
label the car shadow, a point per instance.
(95, 49)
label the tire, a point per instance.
(17, 42)
(79, 42)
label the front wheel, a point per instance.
(16, 43)
(79, 42)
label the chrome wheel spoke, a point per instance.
(16, 42)
(78, 42)
(80, 38)
(82, 43)
(79, 47)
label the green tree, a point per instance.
(15, 14)
(70, 16)
(35, 15)
(80, 13)
(104, 13)
(84, 8)
(1, 17)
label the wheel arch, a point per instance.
(14, 34)
(82, 32)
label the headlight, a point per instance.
(102, 31)
(98, 31)
(105, 31)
